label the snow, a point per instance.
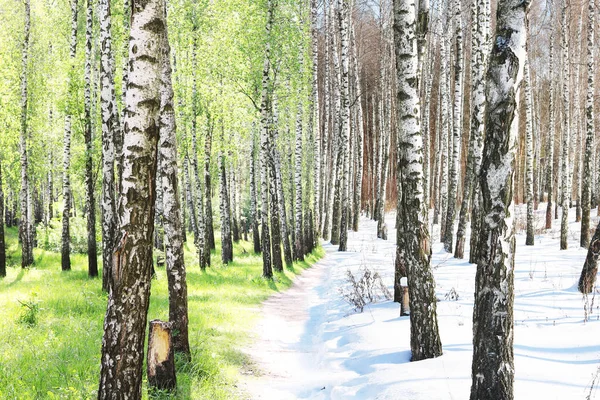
(311, 345)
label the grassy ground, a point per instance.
(51, 327)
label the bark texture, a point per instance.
(493, 358)
(413, 242)
(128, 299)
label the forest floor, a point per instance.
(311, 344)
(52, 322)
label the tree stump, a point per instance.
(161, 359)
(404, 305)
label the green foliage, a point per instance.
(29, 311)
(50, 236)
(59, 357)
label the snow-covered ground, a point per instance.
(310, 344)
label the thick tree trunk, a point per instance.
(587, 280)
(110, 138)
(413, 242)
(128, 299)
(493, 359)
(586, 200)
(174, 256)
(90, 201)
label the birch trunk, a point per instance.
(338, 157)
(315, 109)
(529, 241)
(456, 131)
(298, 236)
(208, 213)
(551, 135)
(2, 240)
(110, 136)
(254, 196)
(359, 135)
(90, 201)
(344, 124)
(128, 299)
(413, 242)
(226, 242)
(566, 134)
(264, 148)
(24, 231)
(586, 200)
(493, 359)
(174, 257)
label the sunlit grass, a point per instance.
(58, 356)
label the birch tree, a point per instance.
(586, 200)
(66, 214)
(129, 294)
(413, 242)
(25, 231)
(110, 136)
(551, 134)
(174, 256)
(90, 200)
(493, 359)
(566, 134)
(529, 241)
(453, 171)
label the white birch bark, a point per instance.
(493, 358)
(529, 241)
(566, 127)
(413, 242)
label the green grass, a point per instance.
(51, 327)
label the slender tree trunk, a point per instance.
(445, 129)
(273, 200)
(298, 237)
(254, 196)
(128, 299)
(325, 174)
(90, 201)
(566, 134)
(66, 237)
(493, 359)
(338, 157)
(551, 135)
(479, 39)
(586, 200)
(529, 241)
(174, 260)
(315, 116)
(226, 242)
(359, 134)
(208, 214)
(287, 248)
(24, 231)
(190, 197)
(110, 138)
(344, 124)
(457, 131)
(413, 242)
(2, 241)
(235, 226)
